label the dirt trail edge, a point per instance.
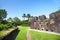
(28, 35)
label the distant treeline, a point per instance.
(10, 22)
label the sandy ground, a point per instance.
(28, 36)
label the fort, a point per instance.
(46, 24)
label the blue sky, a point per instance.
(34, 7)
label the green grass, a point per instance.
(43, 36)
(35, 35)
(22, 34)
(4, 32)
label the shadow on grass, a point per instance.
(12, 36)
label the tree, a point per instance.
(28, 16)
(4, 22)
(3, 14)
(24, 16)
(25, 23)
(16, 21)
(10, 20)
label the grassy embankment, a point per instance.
(21, 35)
(43, 36)
(4, 32)
(35, 35)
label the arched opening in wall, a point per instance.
(46, 29)
(42, 29)
(38, 29)
(52, 30)
(35, 28)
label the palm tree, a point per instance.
(28, 16)
(24, 16)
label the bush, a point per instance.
(9, 25)
(25, 23)
(5, 27)
(1, 27)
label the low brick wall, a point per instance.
(6, 36)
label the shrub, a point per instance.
(9, 25)
(5, 27)
(1, 27)
(25, 23)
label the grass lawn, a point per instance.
(22, 34)
(4, 32)
(35, 35)
(43, 36)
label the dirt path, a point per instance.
(28, 36)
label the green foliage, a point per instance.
(10, 25)
(28, 16)
(24, 16)
(5, 26)
(10, 20)
(2, 26)
(4, 22)
(3, 14)
(25, 23)
(16, 21)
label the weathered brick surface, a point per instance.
(51, 24)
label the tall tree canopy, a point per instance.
(3, 14)
(10, 20)
(28, 16)
(16, 21)
(24, 16)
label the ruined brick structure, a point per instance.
(42, 23)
